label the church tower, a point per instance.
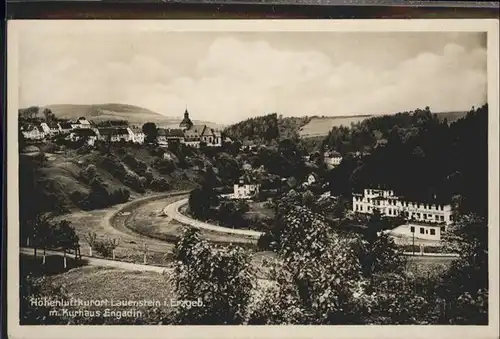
(186, 123)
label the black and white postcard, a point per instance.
(253, 179)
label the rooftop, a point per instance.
(84, 132)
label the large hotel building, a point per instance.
(392, 206)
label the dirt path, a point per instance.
(91, 261)
(105, 262)
(172, 210)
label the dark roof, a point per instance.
(195, 131)
(84, 132)
(31, 127)
(113, 123)
(173, 132)
(247, 179)
(53, 124)
(333, 154)
(186, 122)
(65, 125)
(113, 131)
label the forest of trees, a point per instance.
(266, 129)
(422, 158)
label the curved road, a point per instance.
(172, 211)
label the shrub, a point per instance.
(120, 195)
(50, 147)
(135, 182)
(104, 248)
(136, 165)
(219, 278)
(148, 174)
(159, 185)
(87, 174)
(164, 166)
(79, 199)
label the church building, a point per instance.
(194, 135)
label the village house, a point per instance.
(81, 123)
(392, 206)
(86, 134)
(138, 135)
(245, 188)
(419, 231)
(311, 179)
(65, 127)
(170, 135)
(332, 158)
(114, 134)
(33, 132)
(51, 128)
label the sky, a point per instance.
(225, 77)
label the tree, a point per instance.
(315, 290)
(189, 238)
(45, 234)
(66, 238)
(151, 131)
(113, 244)
(465, 284)
(90, 238)
(218, 278)
(47, 113)
(144, 249)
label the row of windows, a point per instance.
(423, 230)
(402, 203)
(395, 212)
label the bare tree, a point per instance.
(145, 250)
(90, 238)
(113, 244)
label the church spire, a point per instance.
(186, 123)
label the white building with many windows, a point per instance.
(244, 189)
(392, 206)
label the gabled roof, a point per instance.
(65, 125)
(53, 124)
(113, 131)
(333, 154)
(173, 132)
(113, 123)
(84, 132)
(31, 127)
(195, 131)
(83, 121)
(316, 177)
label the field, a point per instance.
(259, 211)
(111, 288)
(321, 126)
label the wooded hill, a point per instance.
(417, 155)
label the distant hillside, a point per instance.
(133, 114)
(320, 126)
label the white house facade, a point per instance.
(332, 159)
(137, 135)
(392, 206)
(245, 190)
(81, 123)
(418, 231)
(33, 133)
